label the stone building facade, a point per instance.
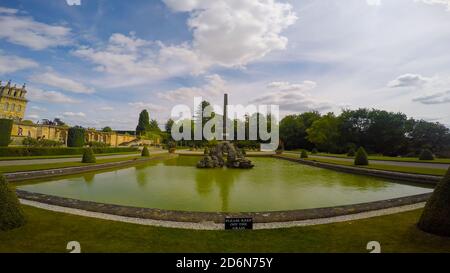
(12, 101)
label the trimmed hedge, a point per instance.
(76, 137)
(88, 156)
(145, 152)
(43, 151)
(426, 155)
(11, 214)
(5, 132)
(303, 154)
(361, 158)
(436, 215)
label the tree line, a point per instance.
(378, 131)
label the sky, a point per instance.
(98, 63)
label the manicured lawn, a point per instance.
(386, 158)
(4, 158)
(50, 231)
(34, 167)
(404, 169)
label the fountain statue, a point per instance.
(213, 158)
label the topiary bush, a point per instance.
(436, 215)
(76, 137)
(88, 156)
(145, 152)
(351, 152)
(426, 155)
(361, 158)
(303, 154)
(314, 151)
(5, 132)
(11, 214)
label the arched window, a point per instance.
(15, 94)
(6, 106)
(13, 107)
(19, 108)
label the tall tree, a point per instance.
(324, 132)
(168, 126)
(143, 123)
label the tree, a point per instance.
(361, 158)
(5, 132)
(107, 129)
(293, 130)
(429, 135)
(143, 123)
(426, 155)
(168, 126)
(59, 122)
(88, 156)
(11, 214)
(76, 136)
(324, 132)
(436, 215)
(153, 126)
(145, 152)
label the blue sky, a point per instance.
(98, 63)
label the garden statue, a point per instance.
(213, 158)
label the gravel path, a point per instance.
(443, 166)
(214, 226)
(67, 159)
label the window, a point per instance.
(6, 106)
(19, 108)
(13, 107)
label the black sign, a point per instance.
(238, 223)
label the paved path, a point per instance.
(443, 166)
(215, 226)
(67, 159)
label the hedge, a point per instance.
(43, 151)
(11, 214)
(5, 132)
(75, 137)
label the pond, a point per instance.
(176, 184)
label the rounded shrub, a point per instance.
(75, 137)
(314, 151)
(361, 158)
(426, 155)
(5, 132)
(88, 156)
(351, 152)
(11, 214)
(303, 154)
(436, 214)
(145, 152)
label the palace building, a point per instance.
(12, 106)
(12, 101)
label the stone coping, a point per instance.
(29, 175)
(219, 217)
(408, 177)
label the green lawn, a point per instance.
(34, 167)
(4, 158)
(385, 158)
(404, 169)
(50, 231)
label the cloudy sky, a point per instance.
(99, 62)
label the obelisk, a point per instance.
(225, 104)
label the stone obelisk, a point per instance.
(225, 104)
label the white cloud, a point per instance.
(33, 116)
(72, 114)
(293, 97)
(9, 63)
(36, 94)
(234, 33)
(214, 87)
(106, 108)
(73, 2)
(38, 108)
(373, 2)
(435, 98)
(409, 80)
(54, 80)
(146, 105)
(23, 30)
(4, 10)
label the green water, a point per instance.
(271, 185)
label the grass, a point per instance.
(35, 167)
(385, 158)
(4, 158)
(48, 231)
(403, 169)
